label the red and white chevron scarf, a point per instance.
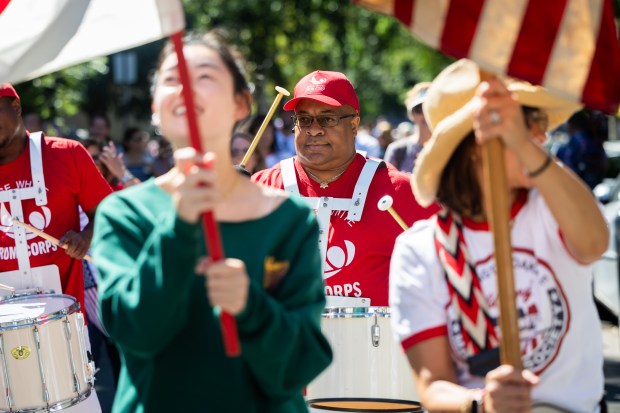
(466, 297)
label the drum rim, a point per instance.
(26, 292)
(415, 405)
(64, 404)
(43, 319)
(356, 312)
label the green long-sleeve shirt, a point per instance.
(155, 308)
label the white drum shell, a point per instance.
(359, 369)
(57, 354)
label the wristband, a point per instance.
(542, 168)
(126, 177)
(475, 403)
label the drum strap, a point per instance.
(324, 206)
(15, 197)
(466, 297)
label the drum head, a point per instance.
(37, 308)
(365, 405)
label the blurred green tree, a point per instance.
(282, 40)
(285, 39)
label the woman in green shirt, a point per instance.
(158, 290)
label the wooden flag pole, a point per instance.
(497, 204)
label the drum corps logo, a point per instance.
(541, 305)
(38, 219)
(338, 258)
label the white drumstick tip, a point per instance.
(283, 91)
(385, 203)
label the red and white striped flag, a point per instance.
(38, 37)
(568, 46)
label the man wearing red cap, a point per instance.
(344, 188)
(43, 181)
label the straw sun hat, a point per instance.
(448, 112)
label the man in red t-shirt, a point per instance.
(43, 181)
(344, 188)
(70, 179)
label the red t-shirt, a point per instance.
(358, 253)
(71, 180)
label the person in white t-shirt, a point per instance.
(443, 287)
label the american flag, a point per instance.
(568, 46)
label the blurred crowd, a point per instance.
(141, 153)
(130, 158)
(578, 143)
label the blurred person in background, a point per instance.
(135, 155)
(285, 139)
(99, 128)
(584, 152)
(162, 155)
(366, 143)
(385, 136)
(33, 122)
(267, 145)
(110, 164)
(403, 152)
(403, 130)
(239, 146)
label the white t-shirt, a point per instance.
(560, 329)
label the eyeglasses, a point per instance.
(324, 121)
(239, 151)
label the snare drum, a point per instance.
(43, 361)
(370, 371)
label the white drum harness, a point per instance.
(323, 206)
(15, 197)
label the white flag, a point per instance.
(38, 37)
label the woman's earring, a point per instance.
(155, 120)
(155, 123)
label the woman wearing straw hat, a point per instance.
(443, 286)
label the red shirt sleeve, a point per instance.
(269, 177)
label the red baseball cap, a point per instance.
(7, 90)
(331, 88)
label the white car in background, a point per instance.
(606, 270)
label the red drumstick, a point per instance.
(209, 226)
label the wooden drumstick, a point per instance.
(385, 204)
(48, 237)
(281, 92)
